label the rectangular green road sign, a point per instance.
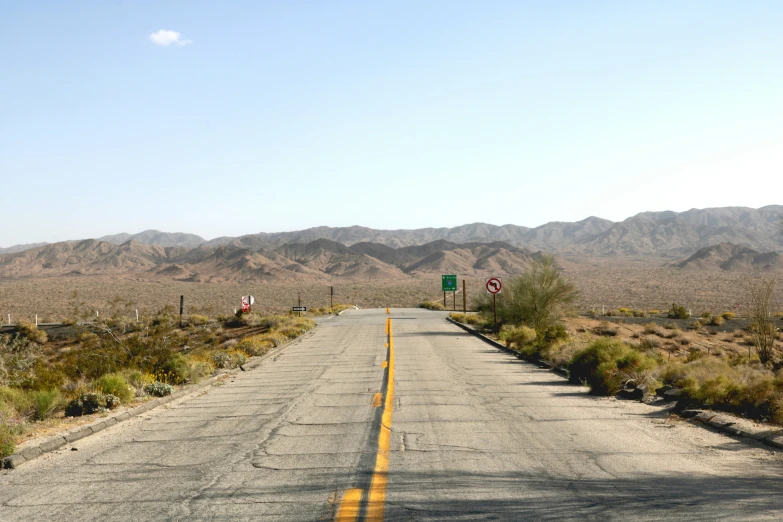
(449, 282)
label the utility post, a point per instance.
(181, 308)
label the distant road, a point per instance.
(475, 435)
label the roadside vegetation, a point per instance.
(744, 376)
(119, 361)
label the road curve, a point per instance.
(475, 435)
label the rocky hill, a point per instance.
(731, 257)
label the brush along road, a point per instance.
(412, 419)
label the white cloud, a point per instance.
(165, 37)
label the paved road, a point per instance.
(475, 435)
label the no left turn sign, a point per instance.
(494, 286)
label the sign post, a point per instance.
(494, 286)
(448, 283)
(247, 303)
(464, 299)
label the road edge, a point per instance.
(721, 422)
(53, 443)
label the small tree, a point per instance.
(762, 329)
(537, 298)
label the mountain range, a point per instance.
(657, 234)
(321, 259)
(728, 238)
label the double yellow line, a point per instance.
(350, 508)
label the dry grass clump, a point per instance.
(431, 305)
(31, 332)
(749, 389)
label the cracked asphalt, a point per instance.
(476, 435)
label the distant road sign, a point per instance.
(300, 309)
(494, 286)
(449, 282)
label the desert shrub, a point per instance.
(89, 403)
(606, 365)
(174, 369)
(518, 336)
(639, 313)
(537, 298)
(431, 305)
(17, 400)
(139, 380)
(671, 326)
(625, 312)
(605, 330)
(198, 320)
(46, 403)
(651, 329)
(706, 316)
(7, 444)
(728, 316)
(291, 332)
(459, 317)
(43, 376)
(272, 337)
(252, 346)
(474, 319)
(654, 311)
(31, 332)
(201, 369)
(159, 389)
(115, 384)
(717, 320)
(648, 344)
(751, 390)
(678, 312)
(228, 360)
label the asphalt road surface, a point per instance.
(474, 435)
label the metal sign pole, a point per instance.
(300, 303)
(464, 299)
(495, 308)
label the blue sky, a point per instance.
(280, 116)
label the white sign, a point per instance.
(494, 285)
(248, 300)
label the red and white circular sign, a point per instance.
(494, 286)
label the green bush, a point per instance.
(89, 403)
(678, 312)
(431, 305)
(717, 320)
(606, 365)
(115, 384)
(159, 389)
(46, 403)
(538, 298)
(175, 369)
(7, 444)
(728, 315)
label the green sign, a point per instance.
(449, 282)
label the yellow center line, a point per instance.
(377, 493)
(350, 506)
